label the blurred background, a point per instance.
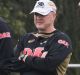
(16, 14)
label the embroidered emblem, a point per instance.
(43, 42)
(64, 42)
(31, 41)
(40, 4)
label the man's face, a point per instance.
(43, 22)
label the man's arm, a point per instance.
(56, 55)
(13, 64)
(6, 43)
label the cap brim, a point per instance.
(40, 11)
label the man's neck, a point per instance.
(47, 30)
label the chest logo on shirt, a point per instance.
(44, 42)
(31, 41)
(38, 52)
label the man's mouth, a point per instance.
(40, 22)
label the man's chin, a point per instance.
(40, 29)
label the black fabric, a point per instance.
(57, 52)
(4, 73)
(6, 45)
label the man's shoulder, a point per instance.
(3, 26)
(59, 35)
(27, 35)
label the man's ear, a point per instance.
(55, 15)
(55, 18)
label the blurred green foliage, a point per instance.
(16, 13)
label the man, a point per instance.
(47, 51)
(6, 45)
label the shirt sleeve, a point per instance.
(15, 65)
(6, 43)
(57, 52)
